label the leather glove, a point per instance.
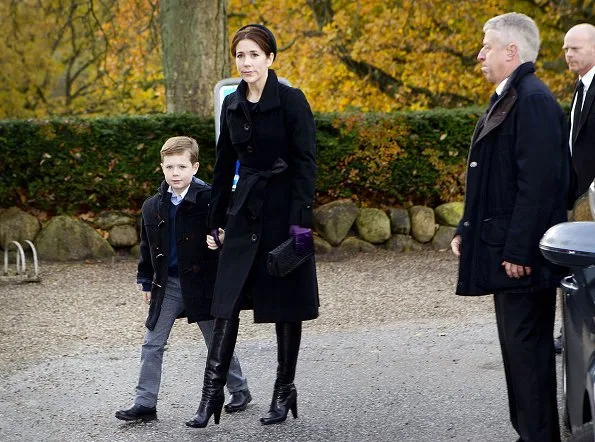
(302, 239)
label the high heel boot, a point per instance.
(284, 399)
(223, 341)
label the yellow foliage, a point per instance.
(385, 56)
(67, 57)
(79, 58)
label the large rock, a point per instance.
(321, 247)
(64, 238)
(402, 243)
(123, 236)
(443, 237)
(416, 246)
(399, 221)
(353, 245)
(332, 221)
(399, 243)
(107, 220)
(135, 251)
(423, 223)
(449, 214)
(16, 225)
(373, 225)
(581, 210)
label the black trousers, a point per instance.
(525, 327)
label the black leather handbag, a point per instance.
(283, 259)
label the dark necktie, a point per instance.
(493, 100)
(576, 116)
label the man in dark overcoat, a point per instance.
(517, 181)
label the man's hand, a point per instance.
(455, 245)
(515, 270)
(147, 296)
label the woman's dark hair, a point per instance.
(260, 34)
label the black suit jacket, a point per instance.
(583, 147)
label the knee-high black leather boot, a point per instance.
(223, 341)
(289, 335)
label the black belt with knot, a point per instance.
(250, 194)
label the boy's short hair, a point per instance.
(178, 145)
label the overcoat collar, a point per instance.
(269, 99)
(193, 191)
(500, 110)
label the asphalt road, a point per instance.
(437, 378)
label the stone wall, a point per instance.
(340, 227)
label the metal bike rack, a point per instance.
(21, 262)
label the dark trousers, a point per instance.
(525, 326)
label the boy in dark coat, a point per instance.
(177, 273)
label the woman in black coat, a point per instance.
(270, 129)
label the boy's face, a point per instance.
(178, 171)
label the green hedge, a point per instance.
(80, 165)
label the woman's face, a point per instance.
(252, 62)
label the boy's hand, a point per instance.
(213, 242)
(147, 296)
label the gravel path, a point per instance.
(80, 307)
(395, 355)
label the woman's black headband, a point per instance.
(269, 34)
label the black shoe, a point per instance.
(238, 401)
(137, 412)
(558, 345)
(206, 409)
(284, 399)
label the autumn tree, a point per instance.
(78, 57)
(90, 57)
(195, 52)
(381, 56)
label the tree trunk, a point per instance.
(195, 52)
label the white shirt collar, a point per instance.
(588, 78)
(501, 86)
(176, 198)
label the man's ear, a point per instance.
(512, 50)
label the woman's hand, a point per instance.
(215, 239)
(302, 239)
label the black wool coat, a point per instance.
(517, 184)
(275, 145)
(197, 265)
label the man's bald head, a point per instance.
(579, 48)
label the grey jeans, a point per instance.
(151, 359)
